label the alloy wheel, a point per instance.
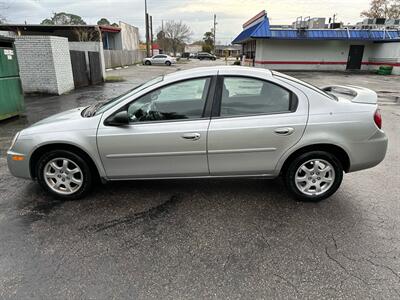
(315, 177)
(63, 176)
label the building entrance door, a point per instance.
(355, 57)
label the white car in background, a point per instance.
(159, 59)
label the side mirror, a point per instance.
(119, 119)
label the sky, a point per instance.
(198, 14)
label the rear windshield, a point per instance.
(309, 85)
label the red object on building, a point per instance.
(107, 28)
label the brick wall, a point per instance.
(45, 64)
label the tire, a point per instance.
(317, 184)
(61, 174)
(147, 62)
(168, 63)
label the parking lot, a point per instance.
(225, 238)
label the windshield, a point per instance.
(309, 85)
(114, 101)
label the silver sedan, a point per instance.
(160, 59)
(208, 123)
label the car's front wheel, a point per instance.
(147, 62)
(168, 63)
(314, 176)
(64, 174)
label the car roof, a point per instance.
(222, 70)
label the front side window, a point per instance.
(250, 96)
(182, 100)
(114, 101)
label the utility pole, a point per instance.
(215, 25)
(151, 35)
(146, 17)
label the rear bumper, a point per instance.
(370, 153)
(18, 168)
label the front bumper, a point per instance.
(18, 168)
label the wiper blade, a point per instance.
(90, 111)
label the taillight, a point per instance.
(378, 119)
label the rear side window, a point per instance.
(250, 96)
(307, 84)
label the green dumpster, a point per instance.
(11, 95)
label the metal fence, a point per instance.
(121, 58)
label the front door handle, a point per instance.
(284, 130)
(193, 136)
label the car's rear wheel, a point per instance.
(64, 174)
(168, 63)
(314, 176)
(147, 62)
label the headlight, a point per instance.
(14, 139)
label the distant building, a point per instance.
(123, 37)
(317, 49)
(154, 49)
(229, 50)
(193, 48)
(72, 55)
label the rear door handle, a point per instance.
(284, 130)
(193, 136)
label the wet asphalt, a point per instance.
(242, 238)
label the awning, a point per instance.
(260, 29)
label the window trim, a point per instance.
(216, 109)
(206, 109)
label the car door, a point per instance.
(161, 60)
(156, 59)
(255, 121)
(166, 136)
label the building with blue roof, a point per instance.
(317, 49)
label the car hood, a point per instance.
(65, 115)
(65, 121)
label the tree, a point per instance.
(208, 41)
(162, 41)
(383, 9)
(174, 36)
(63, 18)
(85, 34)
(206, 48)
(103, 21)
